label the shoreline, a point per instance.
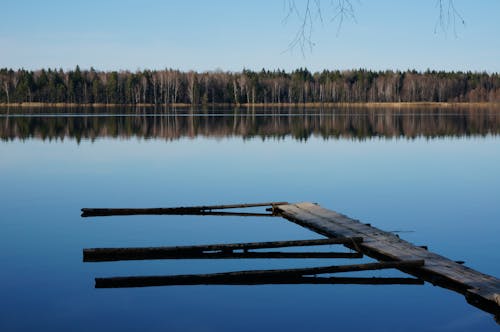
(262, 105)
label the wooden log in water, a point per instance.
(167, 211)
(217, 251)
(207, 279)
(247, 277)
(183, 210)
(97, 257)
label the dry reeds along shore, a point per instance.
(375, 105)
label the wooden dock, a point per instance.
(480, 290)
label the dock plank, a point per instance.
(480, 290)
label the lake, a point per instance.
(431, 175)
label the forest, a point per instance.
(171, 87)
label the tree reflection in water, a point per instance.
(354, 123)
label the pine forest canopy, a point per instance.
(247, 87)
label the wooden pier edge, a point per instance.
(226, 250)
(182, 210)
(480, 290)
(192, 280)
(249, 277)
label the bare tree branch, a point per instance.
(341, 10)
(449, 16)
(312, 12)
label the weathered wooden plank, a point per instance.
(127, 256)
(186, 210)
(208, 279)
(483, 290)
(225, 250)
(164, 211)
(249, 277)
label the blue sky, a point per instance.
(231, 35)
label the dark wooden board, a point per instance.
(225, 250)
(282, 276)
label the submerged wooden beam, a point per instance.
(122, 256)
(183, 210)
(247, 277)
(218, 251)
(480, 290)
(166, 211)
(208, 279)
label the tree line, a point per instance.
(169, 86)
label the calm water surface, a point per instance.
(431, 175)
